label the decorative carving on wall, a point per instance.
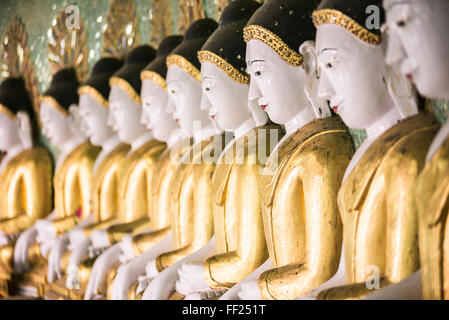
(67, 45)
(189, 11)
(16, 59)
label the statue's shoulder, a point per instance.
(393, 154)
(411, 140)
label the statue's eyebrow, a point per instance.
(251, 62)
(327, 49)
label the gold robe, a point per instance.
(432, 194)
(25, 196)
(105, 183)
(238, 226)
(73, 203)
(301, 217)
(192, 201)
(135, 192)
(378, 209)
(161, 214)
(162, 185)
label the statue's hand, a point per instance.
(99, 239)
(151, 270)
(79, 252)
(158, 286)
(76, 237)
(45, 230)
(73, 277)
(191, 279)
(127, 274)
(205, 295)
(250, 291)
(100, 269)
(46, 235)
(127, 248)
(26, 239)
(54, 270)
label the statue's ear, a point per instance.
(402, 92)
(25, 129)
(76, 122)
(310, 66)
(309, 63)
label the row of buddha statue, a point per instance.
(220, 165)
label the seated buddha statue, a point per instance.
(72, 180)
(300, 181)
(236, 250)
(190, 194)
(380, 220)
(25, 172)
(94, 112)
(137, 168)
(422, 59)
(164, 128)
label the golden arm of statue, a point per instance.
(195, 220)
(143, 242)
(320, 173)
(167, 259)
(62, 225)
(118, 231)
(17, 224)
(352, 292)
(99, 225)
(225, 270)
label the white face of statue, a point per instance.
(184, 94)
(419, 43)
(95, 117)
(352, 76)
(225, 99)
(9, 132)
(55, 126)
(124, 116)
(154, 114)
(276, 85)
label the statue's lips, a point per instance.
(409, 76)
(177, 120)
(335, 108)
(212, 117)
(264, 106)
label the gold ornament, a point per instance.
(125, 86)
(340, 19)
(189, 11)
(55, 104)
(121, 31)
(155, 77)
(94, 94)
(274, 42)
(67, 45)
(225, 66)
(16, 59)
(160, 21)
(185, 65)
